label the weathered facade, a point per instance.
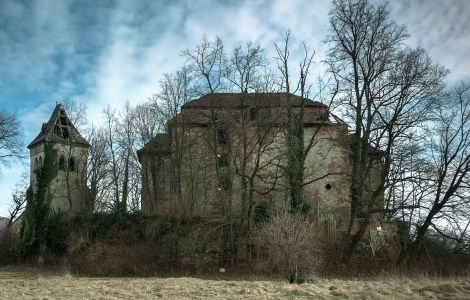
(68, 188)
(226, 153)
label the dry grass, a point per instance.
(28, 283)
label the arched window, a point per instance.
(40, 161)
(36, 163)
(71, 164)
(62, 163)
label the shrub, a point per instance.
(291, 244)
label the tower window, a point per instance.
(40, 161)
(62, 163)
(222, 136)
(72, 164)
(253, 113)
(36, 163)
(63, 120)
(225, 183)
(57, 129)
(223, 160)
(65, 132)
(328, 186)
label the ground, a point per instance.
(27, 283)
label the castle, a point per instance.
(224, 153)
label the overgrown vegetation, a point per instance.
(39, 229)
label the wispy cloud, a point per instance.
(441, 27)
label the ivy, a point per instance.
(38, 218)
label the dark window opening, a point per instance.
(71, 164)
(222, 136)
(36, 163)
(57, 129)
(40, 160)
(253, 113)
(223, 160)
(225, 183)
(328, 186)
(62, 163)
(65, 132)
(63, 120)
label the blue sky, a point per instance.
(110, 51)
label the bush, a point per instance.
(291, 244)
(263, 212)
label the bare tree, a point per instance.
(115, 162)
(98, 169)
(75, 164)
(207, 61)
(448, 156)
(388, 91)
(11, 147)
(18, 198)
(299, 141)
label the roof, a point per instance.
(160, 144)
(59, 128)
(232, 100)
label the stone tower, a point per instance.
(68, 188)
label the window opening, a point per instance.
(222, 136)
(223, 160)
(63, 120)
(65, 132)
(253, 113)
(62, 163)
(225, 183)
(71, 164)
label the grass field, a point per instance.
(28, 283)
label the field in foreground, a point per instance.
(27, 283)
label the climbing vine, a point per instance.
(38, 217)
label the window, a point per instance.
(223, 160)
(63, 120)
(225, 183)
(36, 163)
(222, 136)
(253, 113)
(71, 164)
(328, 186)
(40, 161)
(65, 132)
(62, 163)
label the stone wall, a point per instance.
(69, 188)
(203, 191)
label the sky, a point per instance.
(107, 52)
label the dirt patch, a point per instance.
(29, 283)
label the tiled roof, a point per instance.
(59, 129)
(159, 144)
(226, 100)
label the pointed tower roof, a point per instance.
(60, 129)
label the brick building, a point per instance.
(226, 153)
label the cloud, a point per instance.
(442, 28)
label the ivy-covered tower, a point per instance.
(69, 190)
